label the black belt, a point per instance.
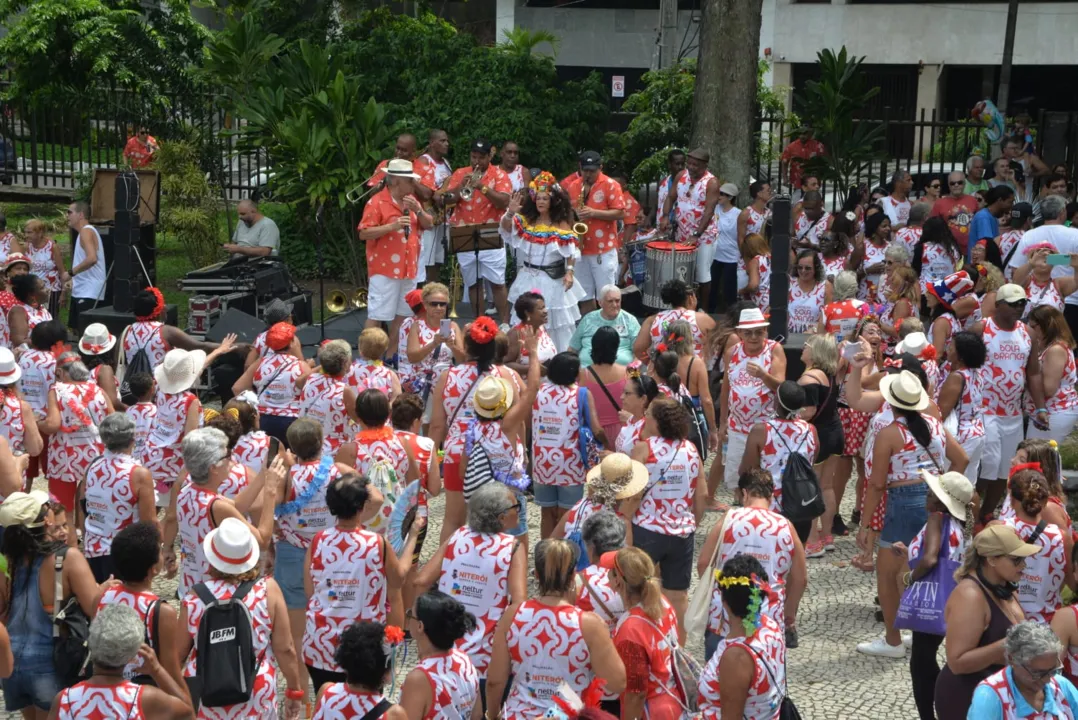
(555, 272)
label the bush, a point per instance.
(189, 205)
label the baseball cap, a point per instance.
(1021, 212)
(1011, 293)
(590, 160)
(481, 145)
(999, 540)
(21, 509)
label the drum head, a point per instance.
(665, 246)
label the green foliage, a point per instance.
(522, 41)
(189, 207)
(55, 49)
(832, 105)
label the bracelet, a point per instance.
(1040, 410)
(295, 694)
(907, 579)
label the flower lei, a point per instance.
(929, 353)
(321, 476)
(757, 589)
(633, 369)
(483, 330)
(156, 308)
(661, 348)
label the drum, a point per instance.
(667, 261)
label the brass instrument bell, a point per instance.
(339, 302)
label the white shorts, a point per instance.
(385, 298)
(431, 250)
(974, 448)
(735, 450)
(1060, 425)
(705, 253)
(491, 266)
(1001, 437)
(595, 271)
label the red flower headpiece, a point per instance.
(1025, 466)
(661, 347)
(929, 353)
(58, 349)
(394, 635)
(156, 308)
(483, 330)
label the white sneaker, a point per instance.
(880, 648)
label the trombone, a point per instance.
(354, 195)
(339, 302)
(580, 227)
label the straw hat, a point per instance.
(398, 167)
(10, 372)
(751, 318)
(621, 474)
(952, 489)
(179, 370)
(231, 548)
(904, 391)
(96, 340)
(493, 397)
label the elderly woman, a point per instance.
(278, 379)
(484, 567)
(328, 399)
(115, 493)
(429, 351)
(118, 636)
(605, 379)
(746, 675)
(1038, 279)
(840, 317)
(367, 371)
(530, 307)
(1030, 684)
(604, 531)
(617, 483)
(47, 261)
(548, 641)
(199, 507)
(981, 609)
(444, 682)
(232, 564)
(31, 297)
(809, 292)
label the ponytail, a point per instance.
(918, 427)
(638, 575)
(665, 364)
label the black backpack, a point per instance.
(140, 363)
(70, 631)
(227, 666)
(801, 496)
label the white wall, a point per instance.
(947, 33)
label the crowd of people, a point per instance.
(937, 363)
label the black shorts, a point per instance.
(832, 441)
(671, 553)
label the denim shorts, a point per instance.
(288, 572)
(27, 687)
(905, 514)
(562, 496)
(522, 513)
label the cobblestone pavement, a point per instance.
(828, 678)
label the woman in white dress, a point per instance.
(537, 226)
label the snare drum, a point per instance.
(667, 261)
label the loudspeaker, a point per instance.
(780, 268)
(126, 276)
(115, 320)
(246, 327)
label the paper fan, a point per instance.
(989, 115)
(400, 520)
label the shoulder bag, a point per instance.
(700, 603)
(787, 709)
(602, 386)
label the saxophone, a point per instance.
(581, 228)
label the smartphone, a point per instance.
(446, 327)
(274, 447)
(850, 350)
(1058, 259)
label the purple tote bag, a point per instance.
(922, 603)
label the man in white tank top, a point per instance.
(87, 284)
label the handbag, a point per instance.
(700, 604)
(921, 607)
(787, 709)
(589, 446)
(70, 631)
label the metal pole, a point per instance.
(1008, 57)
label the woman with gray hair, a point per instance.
(117, 636)
(603, 532)
(484, 567)
(116, 490)
(76, 406)
(328, 399)
(839, 318)
(1030, 685)
(199, 507)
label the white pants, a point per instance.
(1001, 437)
(431, 251)
(735, 450)
(491, 267)
(1060, 425)
(595, 271)
(385, 298)
(705, 253)
(974, 448)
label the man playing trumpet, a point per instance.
(391, 224)
(597, 202)
(481, 193)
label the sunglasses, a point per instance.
(409, 614)
(1016, 303)
(1017, 561)
(956, 182)
(437, 303)
(935, 186)
(509, 509)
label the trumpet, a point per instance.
(339, 302)
(468, 189)
(354, 195)
(580, 227)
(456, 285)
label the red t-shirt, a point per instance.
(796, 153)
(958, 212)
(395, 254)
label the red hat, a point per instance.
(609, 560)
(279, 336)
(414, 298)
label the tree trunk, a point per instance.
(724, 97)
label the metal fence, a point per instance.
(57, 147)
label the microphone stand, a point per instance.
(320, 221)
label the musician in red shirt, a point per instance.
(140, 149)
(490, 189)
(597, 201)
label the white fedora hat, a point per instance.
(10, 372)
(400, 168)
(904, 391)
(231, 548)
(914, 344)
(179, 371)
(96, 340)
(752, 318)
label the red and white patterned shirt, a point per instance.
(82, 408)
(12, 422)
(768, 644)
(454, 684)
(906, 464)
(1004, 370)
(955, 547)
(340, 702)
(101, 702)
(970, 421)
(664, 318)
(841, 318)
(785, 437)
(869, 289)
(475, 571)
(142, 603)
(111, 504)
(423, 451)
(34, 316)
(805, 306)
(144, 415)
(38, 377)
(908, 237)
(604, 194)
(252, 450)
(275, 380)
(809, 230)
(43, 265)
(299, 529)
(383, 446)
(194, 508)
(555, 436)
(323, 400)
(264, 693)
(761, 296)
(369, 375)
(148, 336)
(1046, 294)
(832, 267)
(460, 384)
(436, 362)
(404, 368)
(546, 350)
(594, 586)
(1042, 578)
(348, 574)
(1066, 397)
(999, 684)
(756, 220)
(629, 436)
(673, 471)
(691, 200)
(936, 264)
(1007, 241)
(237, 480)
(546, 648)
(163, 456)
(750, 399)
